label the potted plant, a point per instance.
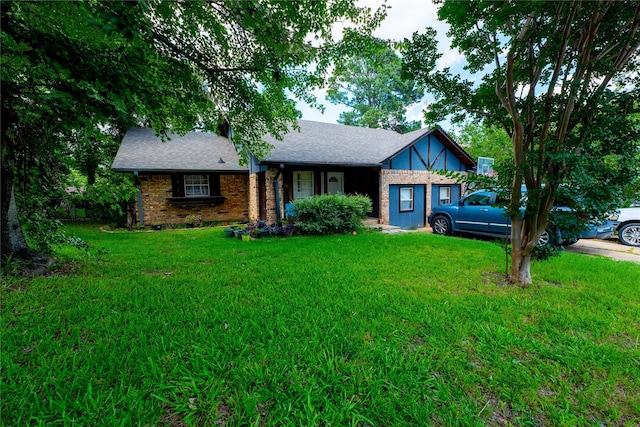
(156, 226)
(229, 231)
(258, 233)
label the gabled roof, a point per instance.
(333, 144)
(141, 150)
(449, 143)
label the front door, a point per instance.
(335, 182)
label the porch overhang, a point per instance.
(276, 164)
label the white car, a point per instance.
(627, 224)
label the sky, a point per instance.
(404, 17)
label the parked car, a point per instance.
(599, 231)
(478, 214)
(627, 224)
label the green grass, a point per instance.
(190, 328)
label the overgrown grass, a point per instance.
(190, 328)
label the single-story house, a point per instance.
(200, 173)
(398, 172)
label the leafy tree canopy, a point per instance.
(73, 72)
(484, 141)
(561, 78)
(375, 89)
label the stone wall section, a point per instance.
(270, 202)
(254, 197)
(400, 177)
(157, 209)
(272, 214)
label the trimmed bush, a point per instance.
(331, 214)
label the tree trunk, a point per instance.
(13, 243)
(520, 252)
(520, 266)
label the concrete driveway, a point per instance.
(611, 248)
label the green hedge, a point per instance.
(331, 214)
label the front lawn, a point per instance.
(188, 327)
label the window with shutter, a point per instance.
(196, 185)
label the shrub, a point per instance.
(331, 214)
(108, 197)
(546, 252)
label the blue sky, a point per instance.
(403, 18)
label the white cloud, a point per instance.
(451, 58)
(404, 17)
(415, 112)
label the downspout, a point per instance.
(139, 191)
(277, 193)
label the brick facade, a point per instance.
(157, 188)
(391, 177)
(270, 198)
(254, 197)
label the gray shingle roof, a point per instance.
(143, 151)
(326, 143)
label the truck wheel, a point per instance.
(441, 225)
(548, 237)
(629, 234)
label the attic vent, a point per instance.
(333, 179)
(220, 161)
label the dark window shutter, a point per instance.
(214, 184)
(177, 185)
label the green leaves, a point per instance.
(373, 86)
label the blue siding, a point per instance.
(430, 149)
(412, 219)
(420, 149)
(401, 161)
(437, 156)
(435, 193)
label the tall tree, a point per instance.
(484, 141)
(562, 81)
(373, 86)
(78, 68)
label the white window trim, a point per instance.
(296, 185)
(447, 199)
(410, 200)
(197, 181)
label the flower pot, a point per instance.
(228, 232)
(246, 237)
(156, 227)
